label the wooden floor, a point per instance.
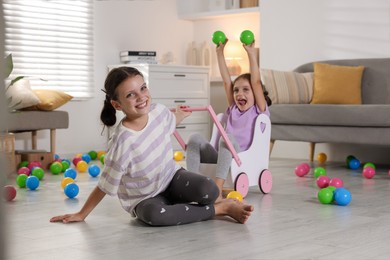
(288, 223)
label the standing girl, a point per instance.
(139, 166)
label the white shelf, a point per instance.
(219, 14)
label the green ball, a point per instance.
(325, 195)
(38, 172)
(23, 164)
(21, 180)
(93, 155)
(369, 165)
(65, 165)
(56, 168)
(102, 157)
(247, 37)
(218, 37)
(319, 171)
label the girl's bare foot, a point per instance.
(233, 208)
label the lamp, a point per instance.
(234, 53)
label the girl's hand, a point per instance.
(221, 46)
(76, 217)
(250, 48)
(182, 110)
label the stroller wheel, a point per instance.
(265, 181)
(241, 184)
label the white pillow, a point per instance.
(20, 95)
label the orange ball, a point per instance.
(321, 158)
(178, 156)
(82, 166)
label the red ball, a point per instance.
(24, 170)
(368, 172)
(34, 164)
(302, 169)
(323, 181)
(9, 192)
(336, 182)
(76, 160)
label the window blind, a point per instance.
(51, 42)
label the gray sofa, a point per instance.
(366, 124)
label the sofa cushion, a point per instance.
(20, 95)
(288, 87)
(331, 115)
(49, 99)
(335, 84)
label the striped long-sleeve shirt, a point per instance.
(139, 164)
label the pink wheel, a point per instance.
(241, 184)
(265, 181)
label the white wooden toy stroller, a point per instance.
(248, 168)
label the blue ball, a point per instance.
(342, 196)
(86, 158)
(71, 190)
(93, 170)
(354, 164)
(32, 182)
(71, 173)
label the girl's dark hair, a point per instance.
(114, 78)
(247, 76)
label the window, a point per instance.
(52, 40)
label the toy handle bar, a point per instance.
(211, 111)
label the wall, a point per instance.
(300, 31)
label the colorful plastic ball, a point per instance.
(24, 170)
(354, 164)
(332, 188)
(247, 37)
(93, 155)
(76, 160)
(66, 181)
(9, 192)
(65, 165)
(82, 166)
(368, 164)
(336, 182)
(56, 157)
(55, 168)
(300, 170)
(234, 195)
(34, 164)
(32, 182)
(100, 153)
(86, 158)
(322, 181)
(38, 172)
(102, 158)
(93, 170)
(368, 172)
(218, 37)
(348, 159)
(342, 196)
(319, 171)
(325, 195)
(321, 158)
(71, 173)
(21, 180)
(23, 164)
(178, 156)
(67, 160)
(71, 190)
(306, 166)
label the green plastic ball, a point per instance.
(38, 172)
(247, 37)
(65, 165)
(325, 196)
(319, 171)
(218, 37)
(93, 155)
(21, 180)
(56, 168)
(23, 164)
(369, 165)
(102, 157)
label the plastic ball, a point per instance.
(32, 182)
(319, 171)
(23, 164)
(178, 156)
(300, 170)
(66, 181)
(21, 180)
(55, 168)
(348, 159)
(354, 164)
(65, 165)
(336, 182)
(102, 158)
(93, 155)
(322, 181)
(93, 170)
(34, 164)
(368, 164)
(247, 37)
(24, 170)
(38, 172)
(76, 160)
(100, 153)
(71, 173)
(9, 192)
(321, 158)
(218, 37)
(325, 195)
(368, 172)
(82, 166)
(71, 190)
(86, 158)
(234, 195)
(342, 196)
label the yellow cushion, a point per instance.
(50, 99)
(334, 84)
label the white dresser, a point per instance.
(174, 85)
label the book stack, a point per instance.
(138, 57)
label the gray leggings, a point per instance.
(189, 198)
(199, 150)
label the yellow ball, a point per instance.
(65, 181)
(82, 166)
(234, 195)
(178, 156)
(321, 158)
(99, 154)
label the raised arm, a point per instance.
(223, 69)
(255, 77)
